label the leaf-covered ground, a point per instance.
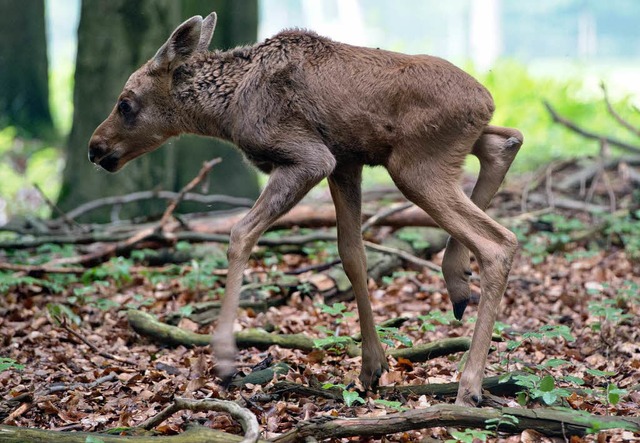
(570, 319)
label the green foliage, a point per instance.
(201, 275)
(391, 404)
(8, 280)
(493, 424)
(537, 244)
(349, 395)
(390, 336)
(519, 105)
(390, 279)
(23, 163)
(334, 340)
(338, 310)
(627, 229)
(469, 436)
(117, 269)
(60, 313)
(430, 320)
(414, 237)
(9, 363)
(536, 387)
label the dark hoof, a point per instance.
(458, 309)
(225, 382)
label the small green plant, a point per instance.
(469, 436)
(430, 320)
(414, 237)
(201, 275)
(627, 229)
(9, 363)
(536, 387)
(390, 404)
(338, 310)
(60, 313)
(389, 279)
(8, 281)
(493, 424)
(349, 396)
(390, 336)
(334, 340)
(538, 244)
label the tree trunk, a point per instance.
(237, 25)
(24, 87)
(114, 38)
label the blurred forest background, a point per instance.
(64, 62)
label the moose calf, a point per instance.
(302, 107)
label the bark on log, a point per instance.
(196, 434)
(550, 422)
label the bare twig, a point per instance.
(142, 234)
(54, 208)
(206, 168)
(624, 123)
(590, 135)
(166, 195)
(245, 417)
(381, 215)
(40, 269)
(403, 255)
(93, 347)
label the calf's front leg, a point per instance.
(286, 186)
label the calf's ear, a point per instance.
(182, 43)
(208, 26)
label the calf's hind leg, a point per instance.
(496, 148)
(428, 183)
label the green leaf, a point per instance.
(351, 397)
(522, 398)
(598, 373)
(547, 383)
(549, 397)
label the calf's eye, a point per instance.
(124, 107)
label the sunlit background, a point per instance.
(524, 52)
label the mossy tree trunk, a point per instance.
(24, 87)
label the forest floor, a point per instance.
(569, 321)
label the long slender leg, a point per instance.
(422, 181)
(286, 186)
(345, 186)
(496, 148)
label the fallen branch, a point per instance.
(383, 214)
(624, 123)
(148, 326)
(549, 422)
(590, 135)
(164, 195)
(403, 255)
(245, 417)
(142, 234)
(493, 385)
(195, 434)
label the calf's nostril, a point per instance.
(97, 149)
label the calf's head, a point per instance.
(146, 113)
